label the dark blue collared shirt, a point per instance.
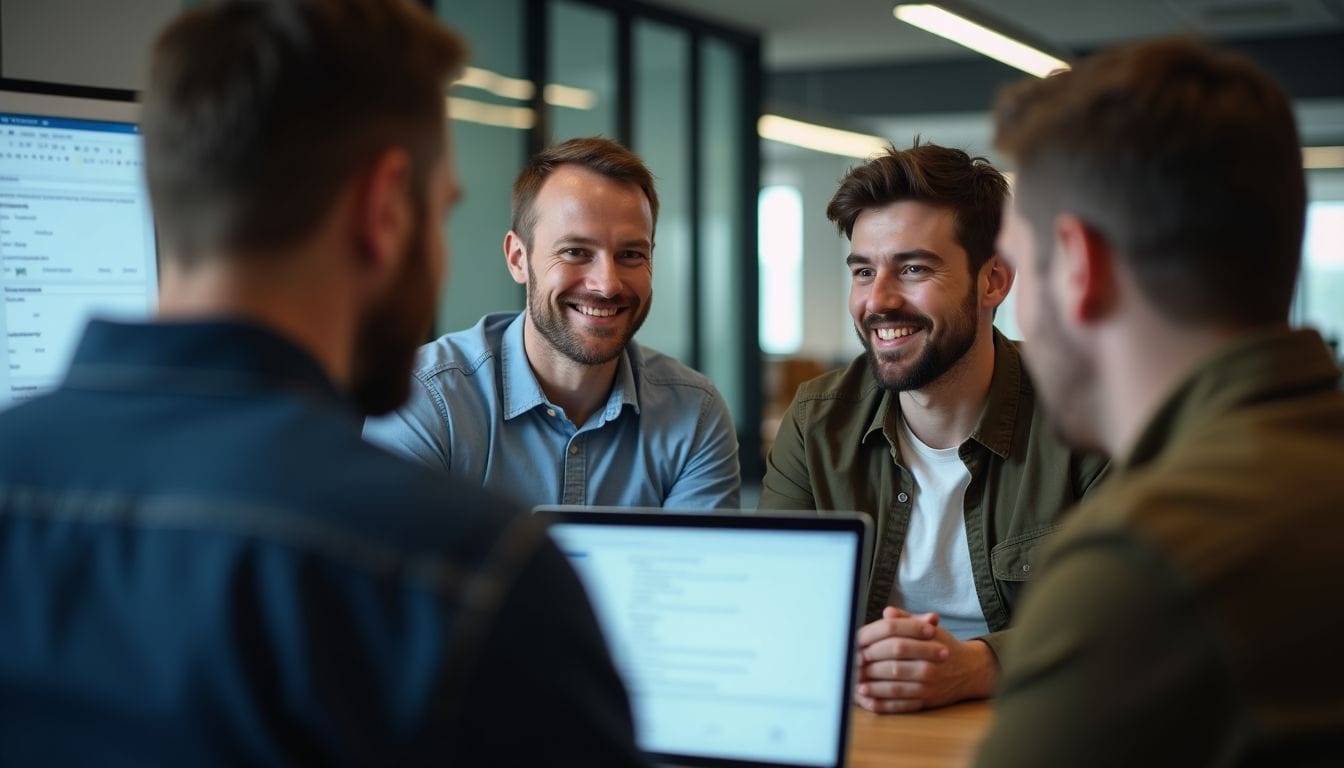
(202, 563)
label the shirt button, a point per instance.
(550, 411)
(573, 449)
(902, 497)
(1026, 568)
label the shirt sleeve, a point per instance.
(712, 475)
(787, 483)
(418, 430)
(545, 691)
(1112, 663)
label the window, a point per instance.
(780, 211)
(1320, 290)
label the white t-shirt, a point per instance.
(934, 573)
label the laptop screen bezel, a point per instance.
(846, 522)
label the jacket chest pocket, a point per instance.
(1016, 559)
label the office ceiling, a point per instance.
(851, 63)
(824, 33)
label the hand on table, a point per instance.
(907, 663)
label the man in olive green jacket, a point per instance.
(932, 431)
(1188, 612)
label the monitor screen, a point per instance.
(76, 233)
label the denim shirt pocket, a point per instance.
(1015, 559)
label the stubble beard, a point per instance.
(552, 323)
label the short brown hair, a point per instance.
(928, 173)
(1184, 158)
(257, 112)
(597, 154)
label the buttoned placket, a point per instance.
(576, 472)
(887, 553)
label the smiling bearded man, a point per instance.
(932, 431)
(557, 404)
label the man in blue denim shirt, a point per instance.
(201, 561)
(557, 404)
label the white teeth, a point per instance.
(887, 334)
(595, 311)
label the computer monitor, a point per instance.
(76, 233)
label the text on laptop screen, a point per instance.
(723, 636)
(76, 239)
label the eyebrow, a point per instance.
(569, 240)
(916, 254)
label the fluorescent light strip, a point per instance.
(818, 137)
(500, 85)
(979, 38)
(1317, 158)
(473, 111)
(523, 90)
(566, 96)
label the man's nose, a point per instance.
(885, 294)
(603, 277)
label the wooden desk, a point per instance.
(941, 737)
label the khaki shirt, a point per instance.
(1189, 611)
(837, 449)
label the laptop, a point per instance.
(733, 632)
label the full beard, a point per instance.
(393, 330)
(938, 355)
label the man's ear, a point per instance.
(384, 212)
(998, 280)
(515, 255)
(1088, 288)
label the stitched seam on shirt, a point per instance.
(441, 404)
(466, 369)
(1038, 533)
(261, 523)
(865, 392)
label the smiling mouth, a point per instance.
(891, 334)
(591, 311)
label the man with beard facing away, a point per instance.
(932, 430)
(557, 404)
(201, 561)
(1188, 611)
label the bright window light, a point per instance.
(1320, 289)
(780, 251)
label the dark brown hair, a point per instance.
(1184, 158)
(928, 173)
(257, 111)
(597, 154)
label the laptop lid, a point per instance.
(734, 633)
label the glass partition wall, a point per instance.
(681, 92)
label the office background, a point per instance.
(749, 282)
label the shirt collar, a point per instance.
(994, 430)
(1261, 365)
(522, 391)
(999, 419)
(623, 390)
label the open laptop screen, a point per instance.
(734, 634)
